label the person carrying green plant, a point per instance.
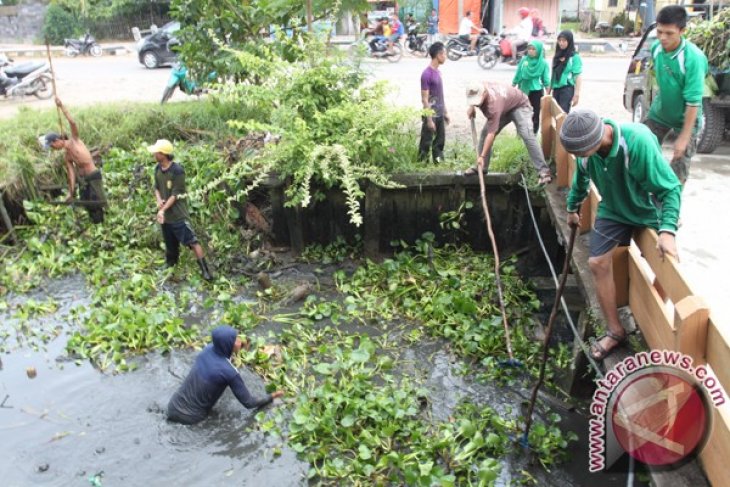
(80, 167)
(212, 373)
(638, 190)
(680, 68)
(172, 211)
(532, 77)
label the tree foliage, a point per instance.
(60, 24)
(105, 9)
(244, 25)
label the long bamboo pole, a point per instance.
(53, 83)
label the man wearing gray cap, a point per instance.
(625, 163)
(502, 104)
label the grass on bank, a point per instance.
(129, 126)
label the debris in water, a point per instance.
(300, 292)
(31, 372)
(255, 219)
(43, 467)
(95, 480)
(61, 435)
(272, 351)
(2, 404)
(100, 450)
(264, 280)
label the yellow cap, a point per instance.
(163, 146)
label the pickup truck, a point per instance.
(640, 89)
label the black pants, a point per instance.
(91, 188)
(432, 141)
(535, 97)
(564, 96)
(175, 234)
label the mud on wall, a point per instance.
(22, 23)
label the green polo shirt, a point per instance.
(680, 76)
(573, 68)
(171, 182)
(626, 178)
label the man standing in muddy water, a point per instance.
(172, 211)
(79, 165)
(208, 379)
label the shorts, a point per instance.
(180, 231)
(608, 234)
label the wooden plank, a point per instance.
(555, 109)
(595, 198)
(717, 352)
(714, 456)
(571, 168)
(690, 325)
(666, 271)
(586, 218)
(547, 128)
(621, 275)
(562, 161)
(648, 307)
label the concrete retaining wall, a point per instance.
(22, 23)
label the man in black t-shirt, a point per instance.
(172, 211)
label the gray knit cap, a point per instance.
(582, 131)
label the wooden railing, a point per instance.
(665, 308)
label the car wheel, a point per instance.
(713, 128)
(150, 60)
(639, 112)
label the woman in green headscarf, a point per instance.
(532, 76)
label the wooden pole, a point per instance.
(309, 16)
(53, 82)
(6, 219)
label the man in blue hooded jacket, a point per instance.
(209, 377)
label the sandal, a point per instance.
(598, 352)
(545, 178)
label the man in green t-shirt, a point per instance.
(172, 212)
(680, 69)
(625, 163)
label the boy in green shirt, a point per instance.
(532, 76)
(625, 163)
(680, 69)
(172, 212)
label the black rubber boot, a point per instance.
(204, 269)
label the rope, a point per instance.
(583, 346)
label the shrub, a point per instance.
(60, 24)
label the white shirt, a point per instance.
(466, 25)
(524, 29)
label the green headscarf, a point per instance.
(531, 67)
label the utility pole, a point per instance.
(309, 15)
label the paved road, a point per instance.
(702, 239)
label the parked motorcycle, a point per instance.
(415, 42)
(499, 49)
(85, 45)
(25, 79)
(179, 79)
(377, 48)
(456, 47)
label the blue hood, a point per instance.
(224, 337)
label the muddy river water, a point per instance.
(74, 425)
